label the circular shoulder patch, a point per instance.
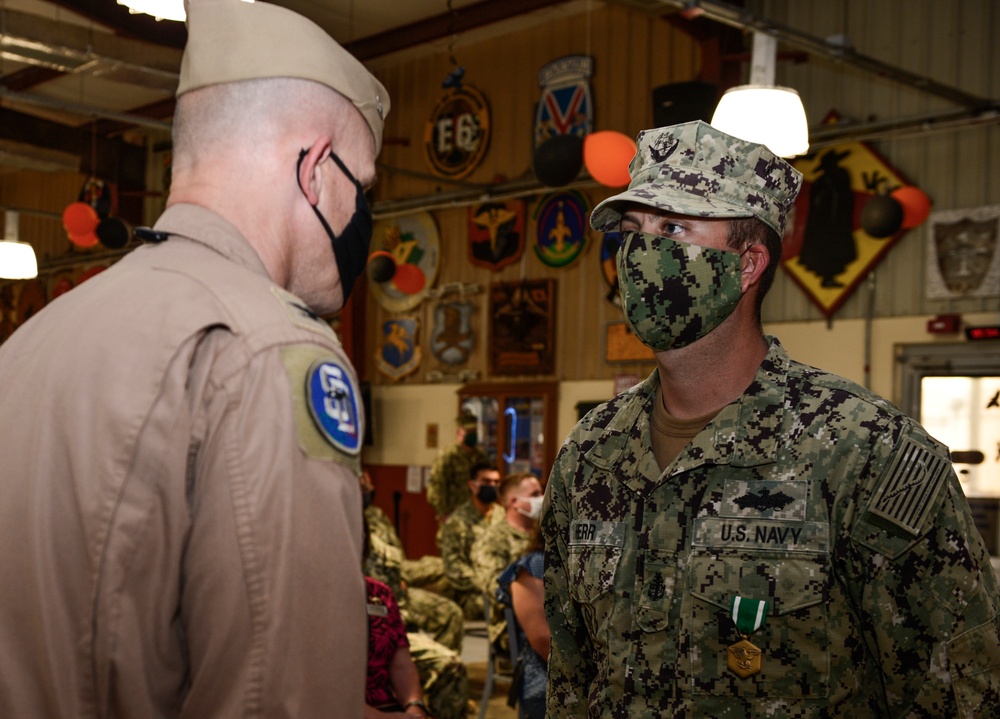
(333, 403)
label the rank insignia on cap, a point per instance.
(333, 404)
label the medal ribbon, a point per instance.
(748, 614)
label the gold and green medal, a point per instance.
(744, 658)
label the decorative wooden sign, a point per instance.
(457, 134)
(522, 336)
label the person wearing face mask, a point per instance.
(180, 516)
(521, 500)
(460, 533)
(450, 471)
(742, 535)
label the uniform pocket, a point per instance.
(592, 571)
(794, 639)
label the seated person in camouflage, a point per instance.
(451, 470)
(426, 572)
(462, 530)
(503, 542)
(436, 650)
(742, 535)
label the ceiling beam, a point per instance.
(734, 16)
(444, 25)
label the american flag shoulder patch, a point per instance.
(910, 486)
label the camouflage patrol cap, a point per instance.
(467, 420)
(694, 169)
(232, 40)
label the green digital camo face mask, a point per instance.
(675, 293)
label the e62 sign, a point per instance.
(458, 132)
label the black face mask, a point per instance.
(487, 493)
(350, 248)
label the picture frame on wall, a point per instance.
(522, 327)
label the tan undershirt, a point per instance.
(670, 435)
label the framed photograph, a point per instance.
(522, 327)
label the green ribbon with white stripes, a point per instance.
(748, 614)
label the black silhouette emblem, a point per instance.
(764, 500)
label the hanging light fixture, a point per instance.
(17, 259)
(761, 111)
(160, 9)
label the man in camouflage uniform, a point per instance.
(741, 535)
(426, 572)
(450, 471)
(462, 530)
(503, 542)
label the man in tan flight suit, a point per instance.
(180, 518)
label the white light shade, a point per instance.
(160, 9)
(17, 260)
(767, 114)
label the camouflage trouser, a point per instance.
(442, 675)
(426, 572)
(471, 602)
(440, 617)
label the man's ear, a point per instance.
(753, 264)
(309, 168)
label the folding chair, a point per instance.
(491, 662)
(515, 653)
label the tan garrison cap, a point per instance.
(232, 40)
(694, 169)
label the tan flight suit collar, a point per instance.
(208, 228)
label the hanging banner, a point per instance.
(826, 250)
(496, 233)
(457, 134)
(565, 106)
(962, 256)
(561, 228)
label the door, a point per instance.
(516, 424)
(954, 392)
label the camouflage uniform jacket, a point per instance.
(808, 492)
(456, 538)
(448, 487)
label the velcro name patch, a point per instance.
(594, 532)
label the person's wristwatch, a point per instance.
(416, 703)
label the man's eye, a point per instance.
(672, 228)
